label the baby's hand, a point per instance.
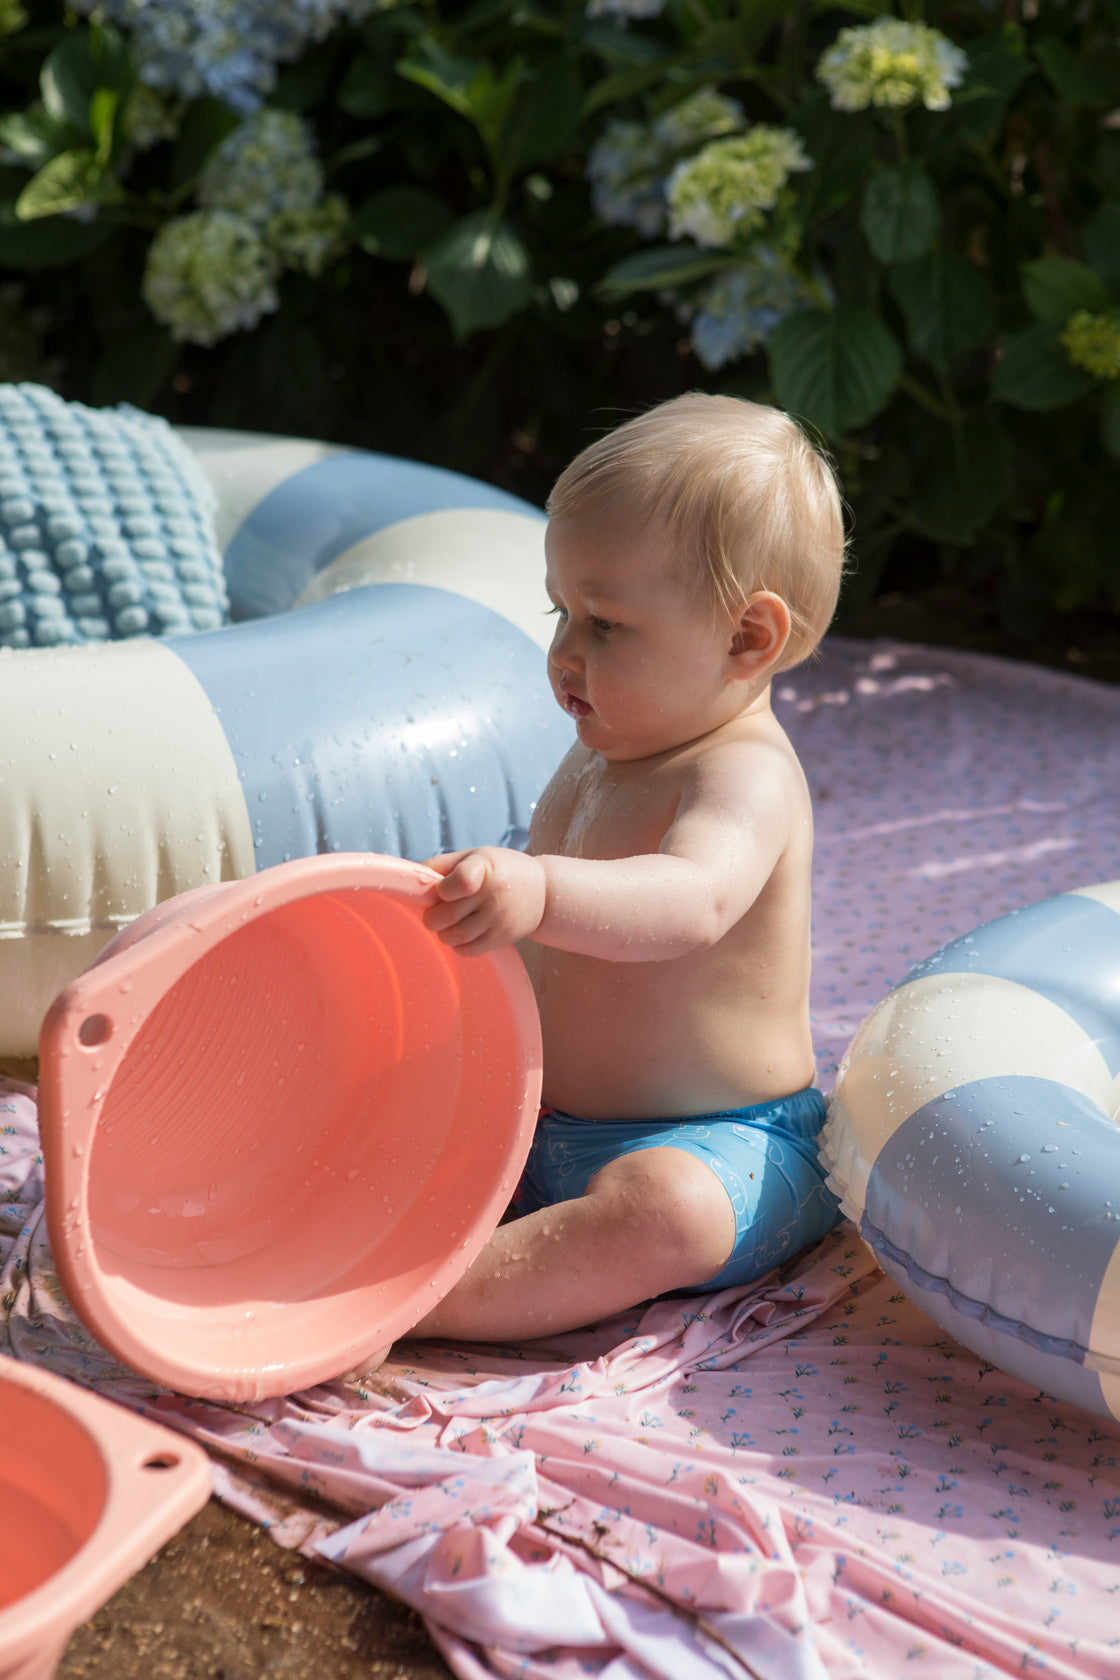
(489, 897)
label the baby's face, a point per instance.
(638, 660)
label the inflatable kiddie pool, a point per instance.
(973, 1138)
(381, 689)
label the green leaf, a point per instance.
(842, 146)
(947, 303)
(85, 60)
(70, 179)
(1034, 371)
(1076, 80)
(205, 126)
(397, 222)
(103, 108)
(836, 369)
(545, 115)
(1069, 550)
(468, 85)
(54, 242)
(663, 265)
(1110, 417)
(35, 137)
(963, 482)
(369, 89)
(900, 214)
(479, 272)
(1056, 286)
(1100, 239)
(998, 65)
(622, 46)
(624, 84)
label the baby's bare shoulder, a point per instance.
(752, 756)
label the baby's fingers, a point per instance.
(473, 935)
(438, 917)
(465, 880)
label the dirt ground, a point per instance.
(221, 1601)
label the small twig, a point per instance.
(662, 1597)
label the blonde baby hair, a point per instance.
(740, 491)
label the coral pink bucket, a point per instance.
(88, 1493)
(279, 1120)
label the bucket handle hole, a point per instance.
(161, 1461)
(94, 1030)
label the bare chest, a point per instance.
(594, 809)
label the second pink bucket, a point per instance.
(279, 1119)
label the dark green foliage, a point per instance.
(483, 316)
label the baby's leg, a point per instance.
(648, 1222)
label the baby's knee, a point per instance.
(676, 1209)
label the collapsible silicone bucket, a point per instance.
(279, 1119)
(88, 1493)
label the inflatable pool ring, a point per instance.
(973, 1137)
(384, 690)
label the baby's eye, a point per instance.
(604, 625)
(559, 611)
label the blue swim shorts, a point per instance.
(765, 1157)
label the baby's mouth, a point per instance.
(573, 705)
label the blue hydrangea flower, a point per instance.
(704, 115)
(625, 167)
(226, 48)
(740, 309)
(265, 167)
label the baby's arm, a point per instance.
(731, 827)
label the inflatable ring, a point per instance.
(973, 1137)
(384, 691)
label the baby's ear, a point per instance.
(762, 631)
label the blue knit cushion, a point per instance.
(106, 526)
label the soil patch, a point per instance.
(221, 1601)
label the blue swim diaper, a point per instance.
(765, 1157)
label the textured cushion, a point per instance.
(106, 526)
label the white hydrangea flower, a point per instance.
(1092, 342)
(209, 274)
(625, 167)
(740, 309)
(892, 64)
(309, 238)
(724, 191)
(151, 116)
(704, 115)
(266, 166)
(625, 8)
(227, 48)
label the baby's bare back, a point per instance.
(719, 1028)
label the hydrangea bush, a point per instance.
(471, 232)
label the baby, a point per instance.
(663, 907)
